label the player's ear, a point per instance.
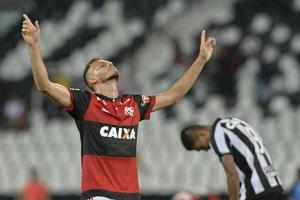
(92, 80)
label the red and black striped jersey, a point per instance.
(108, 133)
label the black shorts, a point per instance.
(272, 196)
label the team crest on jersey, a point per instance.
(129, 111)
(145, 100)
(270, 171)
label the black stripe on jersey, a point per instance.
(269, 163)
(109, 145)
(242, 164)
(268, 194)
(257, 165)
(244, 124)
(112, 195)
(227, 140)
(80, 102)
(79, 124)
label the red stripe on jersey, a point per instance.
(152, 102)
(113, 174)
(112, 112)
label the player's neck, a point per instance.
(109, 89)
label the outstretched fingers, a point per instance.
(203, 37)
(26, 18)
(27, 22)
(27, 25)
(209, 42)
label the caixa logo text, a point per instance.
(116, 132)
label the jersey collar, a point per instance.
(108, 98)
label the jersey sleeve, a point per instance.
(220, 141)
(145, 105)
(79, 102)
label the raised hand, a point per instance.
(30, 32)
(206, 47)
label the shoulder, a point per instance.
(79, 90)
(220, 128)
(227, 123)
(218, 124)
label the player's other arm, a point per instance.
(186, 81)
(31, 35)
(233, 182)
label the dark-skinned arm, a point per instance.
(233, 182)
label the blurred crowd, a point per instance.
(270, 38)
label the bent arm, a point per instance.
(180, 87)
(57, 92)
(233, 182)
(184, 84)
(31, 36)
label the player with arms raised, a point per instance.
(108, 122)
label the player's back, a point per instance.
(253, 163)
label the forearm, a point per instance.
(184, 84)
(39, 70)
(233, 187)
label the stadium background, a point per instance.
(253, 75)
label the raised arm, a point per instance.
(31, 35)
(233, 182)
(186, 81)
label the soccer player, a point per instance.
(247, 163)
(107, 121)
(34, 188)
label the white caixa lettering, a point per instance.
(118, 133)
(104, 131)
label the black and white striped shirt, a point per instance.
(252, 161)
